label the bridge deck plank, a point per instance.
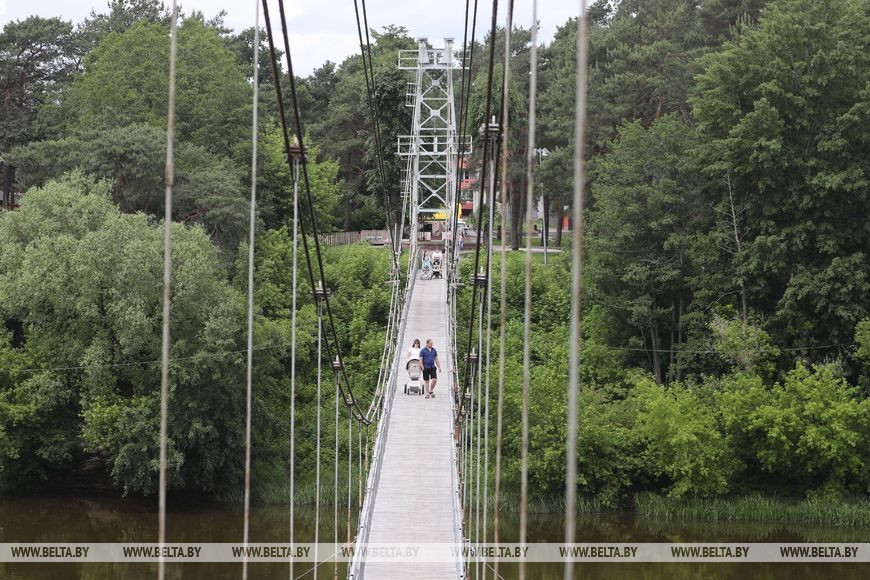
(414, 501)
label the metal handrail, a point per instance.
(458, 536)
(357, 565)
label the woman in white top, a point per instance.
(414, 351)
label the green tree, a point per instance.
(85, 286)
(783, 114)
(642, 60)
(125, 82)
(36, 61)
(334, 103)
(682, 439)
(806, 430)
(645, 211)
(275, 186)
(745, 346)
(242, 44)
(121, 15)
(208, 188)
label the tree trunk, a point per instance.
(558, 239)
(656, 355)
(673, 342)
(348, 214)
(680, 337)
(517, 196)
(6, 178)
(738, 244)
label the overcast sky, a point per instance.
(321, 30)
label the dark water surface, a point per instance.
(89, 519)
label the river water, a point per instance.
(91, 519)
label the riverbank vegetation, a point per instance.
(81, 362)
(756, 508)
(725, 298)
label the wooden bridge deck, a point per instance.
(415, 495)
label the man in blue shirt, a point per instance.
(429, 356)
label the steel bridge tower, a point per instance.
(432, 149)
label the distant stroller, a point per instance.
(415, 371)
(436, 268)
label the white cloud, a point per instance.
(326, 29)
(310, 50)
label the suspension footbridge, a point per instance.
(422, 474)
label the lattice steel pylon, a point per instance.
(432, 149)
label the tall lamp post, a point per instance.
(543, 152)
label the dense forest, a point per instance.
(726, 299)
(726, 293)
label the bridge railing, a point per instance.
(458, 535)
(357, 565)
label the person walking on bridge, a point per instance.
(430, 360)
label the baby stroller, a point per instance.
(436, 268)
(415, 371)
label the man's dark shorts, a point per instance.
(429, 374)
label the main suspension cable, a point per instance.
(344, 384)
(483, 179)
(464, 93)
(369, 73)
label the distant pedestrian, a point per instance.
(429, 356)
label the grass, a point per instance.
(852, 512)
(278, 493)
(585, 505)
